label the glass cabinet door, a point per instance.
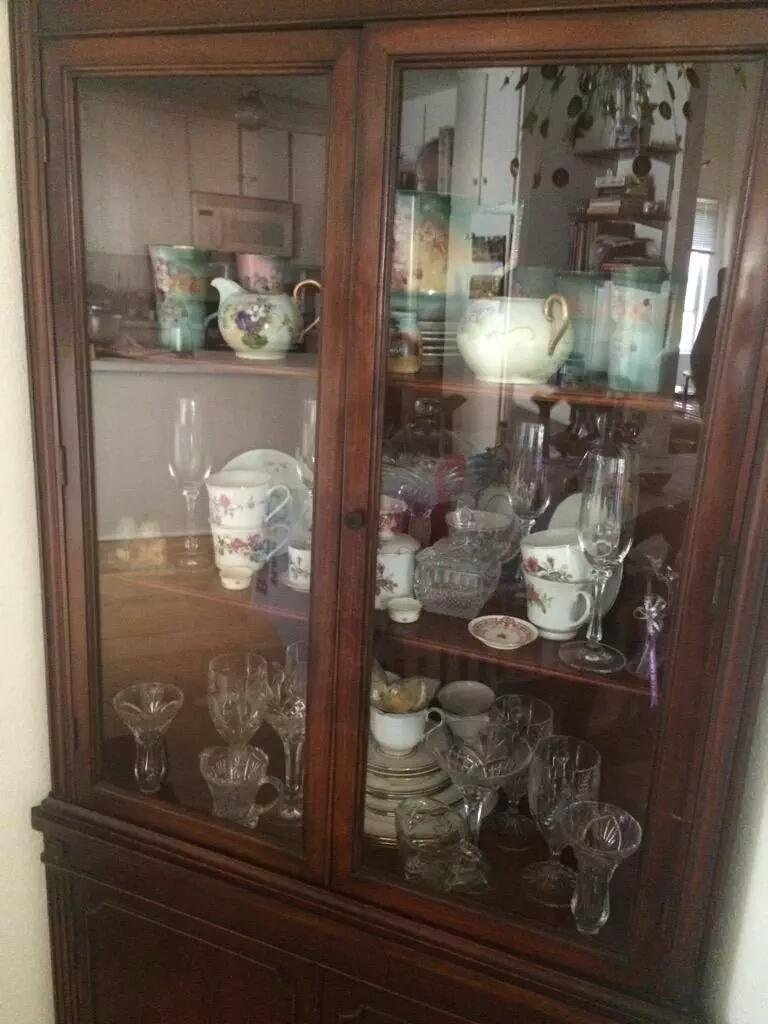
(559, 241)
(204, 205)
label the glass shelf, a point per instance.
(295, 364)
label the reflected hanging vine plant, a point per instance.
(608, 91)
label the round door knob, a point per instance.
(355, 520)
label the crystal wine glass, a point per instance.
(601, 836)
(532, 719)
(563, 770)
(148, 710)
(479, 768)
(286, 712)
(606, 523)
(237, 695)
(528, 481)
(190, 467)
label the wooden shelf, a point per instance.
(640, 218)
(447, 635)
(453, 381)
(295, 364)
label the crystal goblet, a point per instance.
(479, 768)
(286, 712)
(601, 836)
(563, 770)
(237, 695)
(234, 776)
(148, 710)
(531, 719)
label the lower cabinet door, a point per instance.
(141, 963)
(344, 999)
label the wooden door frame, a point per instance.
(687, 805)
(59, 369)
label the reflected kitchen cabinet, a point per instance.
(398, 389)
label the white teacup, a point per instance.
(299, 567)
(250, 548)
(241, 498)
(466, 704)
(398, 735)
(555, 555)
(557, 608)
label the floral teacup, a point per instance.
(239, 497)
(555, 556)
(556, 608)
(248, 548)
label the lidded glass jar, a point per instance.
(457, 575)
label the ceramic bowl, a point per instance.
(502, 632)
(404, 609)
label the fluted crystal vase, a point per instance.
(148, 710)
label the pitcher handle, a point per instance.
(277, 489)
(548, 303)
(296, 291)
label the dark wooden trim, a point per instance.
(329, 52)
(332, 929)
(70, 17)
(682, 829)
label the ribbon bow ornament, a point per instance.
(652, 612)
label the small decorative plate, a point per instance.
(502, 632)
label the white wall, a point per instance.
(25, 987)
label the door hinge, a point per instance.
(61, 467)
(44, 139)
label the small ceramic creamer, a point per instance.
(259, 325)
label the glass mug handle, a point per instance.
(296, 293)
(281, 544)
(258, 809)
(549, 315)
(278, 489)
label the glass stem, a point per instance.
(591, 903)
(293, 749)
(150, 765)
(473, 809)
(595, 630)
(191, 540)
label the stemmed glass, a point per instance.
(237, 695)
(286, 712)
(148, 710)
(190, 467)
(479, 769)
(306, 454)
(601, 836)
(606, 524)
(563, 770)
(531, 719)
(528, 481)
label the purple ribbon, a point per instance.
(652, 613)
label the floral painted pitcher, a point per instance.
(259, 325)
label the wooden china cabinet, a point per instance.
(211, 487)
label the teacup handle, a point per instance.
(590, 601)
(296, 291)
(282, 489)
(281, 545)
(549, 315)
(257, 809)
(437, 716)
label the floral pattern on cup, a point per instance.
(247, 548)
(548, 569)
(224, 508)
(557, 607)
(534, 596)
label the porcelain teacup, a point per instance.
(398, 735)
(466, 704)
(555, 555)
(299, 567)
(241, 498)
(557, 608)
(250, 548)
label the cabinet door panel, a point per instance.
(202, 430)
(475, 437)
(345, 1001)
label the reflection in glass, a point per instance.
(189, 468)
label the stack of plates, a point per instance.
(438, 341)
(390, 780)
